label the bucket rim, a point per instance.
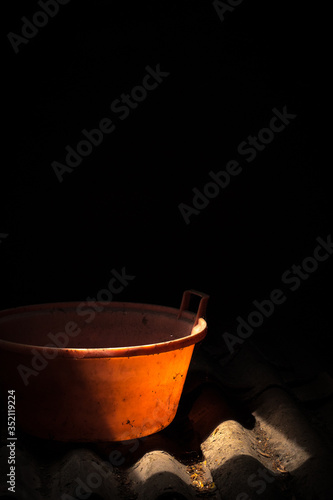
(197, 334)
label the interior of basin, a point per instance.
(107, 328)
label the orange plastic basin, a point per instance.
(97, 371)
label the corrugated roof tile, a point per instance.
(240, 432)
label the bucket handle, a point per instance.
(202, 304)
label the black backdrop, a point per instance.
(120, 206)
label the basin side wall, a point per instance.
(97, 399)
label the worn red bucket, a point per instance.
(118, 377)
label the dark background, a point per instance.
(120, 205)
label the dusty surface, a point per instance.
(244, 429)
